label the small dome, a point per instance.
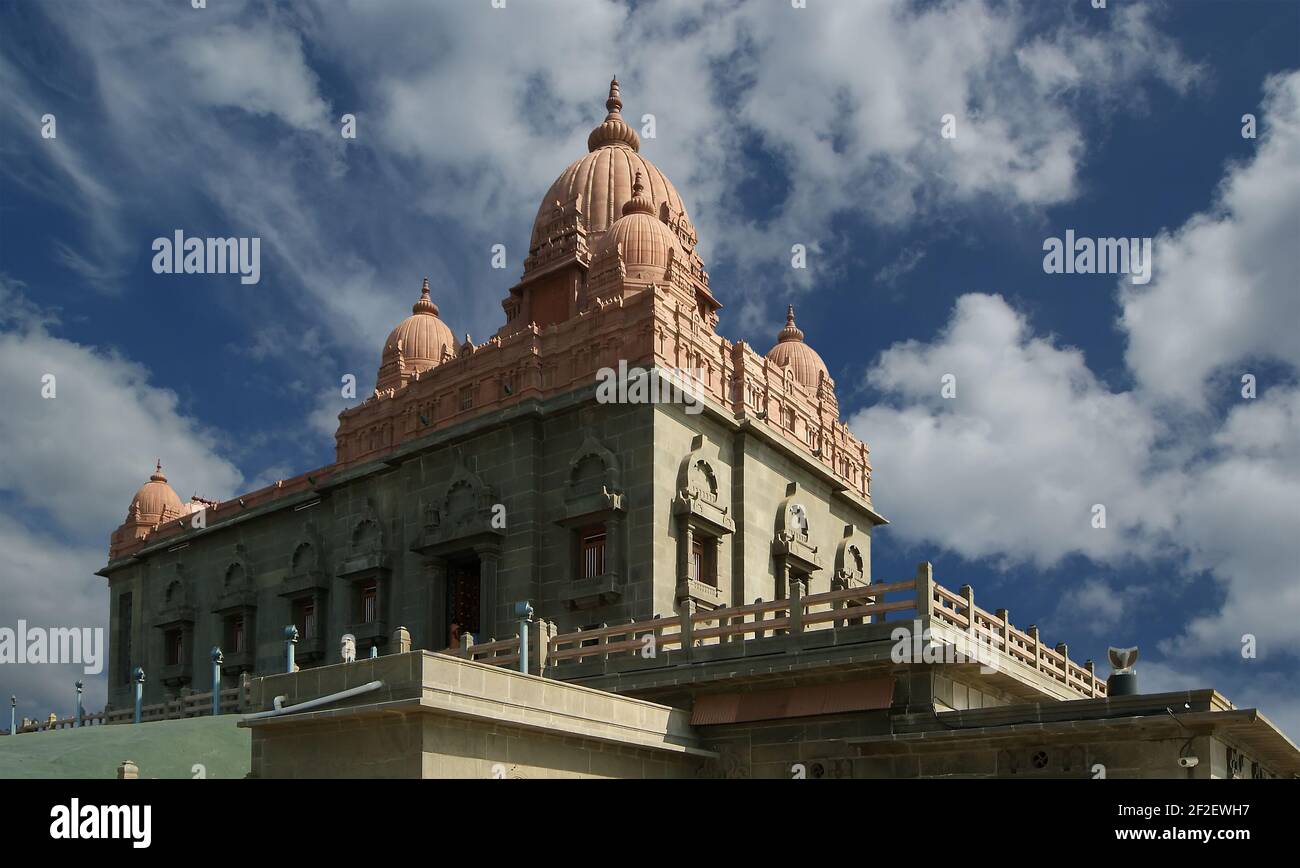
(646, 241)
(155, 502)
(790, 350)
(416, 344)
(603, 178)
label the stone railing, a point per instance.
(996, 631)
(493, 652)
(919, 598)
(233, 701)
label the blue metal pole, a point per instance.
(525, 613)
(79, 688)
(290, 640)
(217, 660)
(13, 715)
(139, 691)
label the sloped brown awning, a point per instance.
(807, 701)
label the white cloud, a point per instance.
(456, 145)
(260, 70)
(67, 473)
(851, 98)
(51, 583)
(1239, 520)
(1009, 468)
(1012, 466)
(78, 457)
(1223, 290)
(1100, 608)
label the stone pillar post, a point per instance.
(614, 544)
(687, 536)
(401, 641)
(488, 560)
(782, 592)
(796, 605)
(435, 580)
(925, 590)
(539, 641)
(687, 609)
(968, 594)
(1005, 617)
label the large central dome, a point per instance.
(604, 178)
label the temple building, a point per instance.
(685, 553)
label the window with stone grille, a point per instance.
(370, 602)
(704, 560)
(591, 551)
(467, 397)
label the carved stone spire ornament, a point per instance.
(613, 130)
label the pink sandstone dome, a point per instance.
(647, 242)
(155, 502)
(421, 337)
(790, 349)
(604, 177)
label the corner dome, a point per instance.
(155, 502)
(604, 178)
(647, 243)
(417, 344)
(803, 360)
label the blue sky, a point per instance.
(779, 126)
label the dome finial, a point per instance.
(425, 304)
(157, 472)
(791, 332)
(613, 130)
(613, 105)
(638, 203)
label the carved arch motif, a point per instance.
(464, 499)
(367, 536)
(792, 517)
(307, 555)
(850, 563)
(607, 478)
(238, 572)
